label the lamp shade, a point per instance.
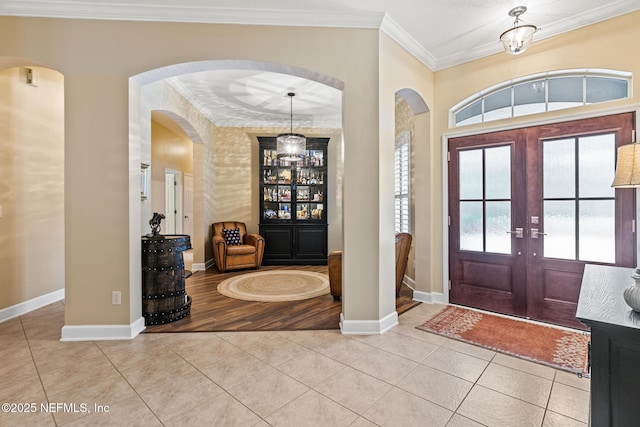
(290, 147)
(517, 39)
(627, 167)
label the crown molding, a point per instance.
(214, 15)
(336, 19)
(182, 13)
(405, 40)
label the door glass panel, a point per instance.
(559, 225)
(498, 172)
(471, 174)
(597, 231)
(587, 234)
(498, 226)
(471, 225)
(559, 176)
(596, 156)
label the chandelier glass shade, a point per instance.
(518, 39)
(291, 146)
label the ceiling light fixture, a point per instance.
(291, 146)
(517, 39)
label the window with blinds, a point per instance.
(403, 182)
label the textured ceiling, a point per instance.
(440, 33)
(246, 98)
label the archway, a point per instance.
(419, 268)
(32, 186)
(144, 98)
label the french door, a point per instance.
(529, 207)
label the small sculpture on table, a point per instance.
(154, 222)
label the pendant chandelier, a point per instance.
(517, 39)
(291, 146)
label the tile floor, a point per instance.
(404, 377)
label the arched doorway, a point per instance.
(412, 118)
(32, 186)
(163, 89)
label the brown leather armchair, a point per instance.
(403, 245)
(247, 254)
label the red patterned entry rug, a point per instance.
(559, 348)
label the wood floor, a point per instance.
(213, 312)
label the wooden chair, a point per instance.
(403, 246)
(234, 248)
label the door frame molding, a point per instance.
(184, 176)
(178, 197)
(515, 125)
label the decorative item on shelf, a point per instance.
(154, 222)
(517, 39)
(291, 146)
(628, 176)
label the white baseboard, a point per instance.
(429, 297)
(409, 282)
(102, 332)
(198, 266)
(368, 327)
(30, 305)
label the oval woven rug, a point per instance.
(274, 286)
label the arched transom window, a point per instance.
(540, 93)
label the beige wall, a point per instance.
(236, 178)
(97, 59)
(400, 71)
(602, 45)
(169, 150)
(105, 135)
(31, 185)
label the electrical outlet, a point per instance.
(116, 297)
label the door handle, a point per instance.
(535, 233)
(519, 232)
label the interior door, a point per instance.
(524, 254)
(170, 208)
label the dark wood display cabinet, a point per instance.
(293, 208)
(615, 345)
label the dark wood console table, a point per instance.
(615, 346)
